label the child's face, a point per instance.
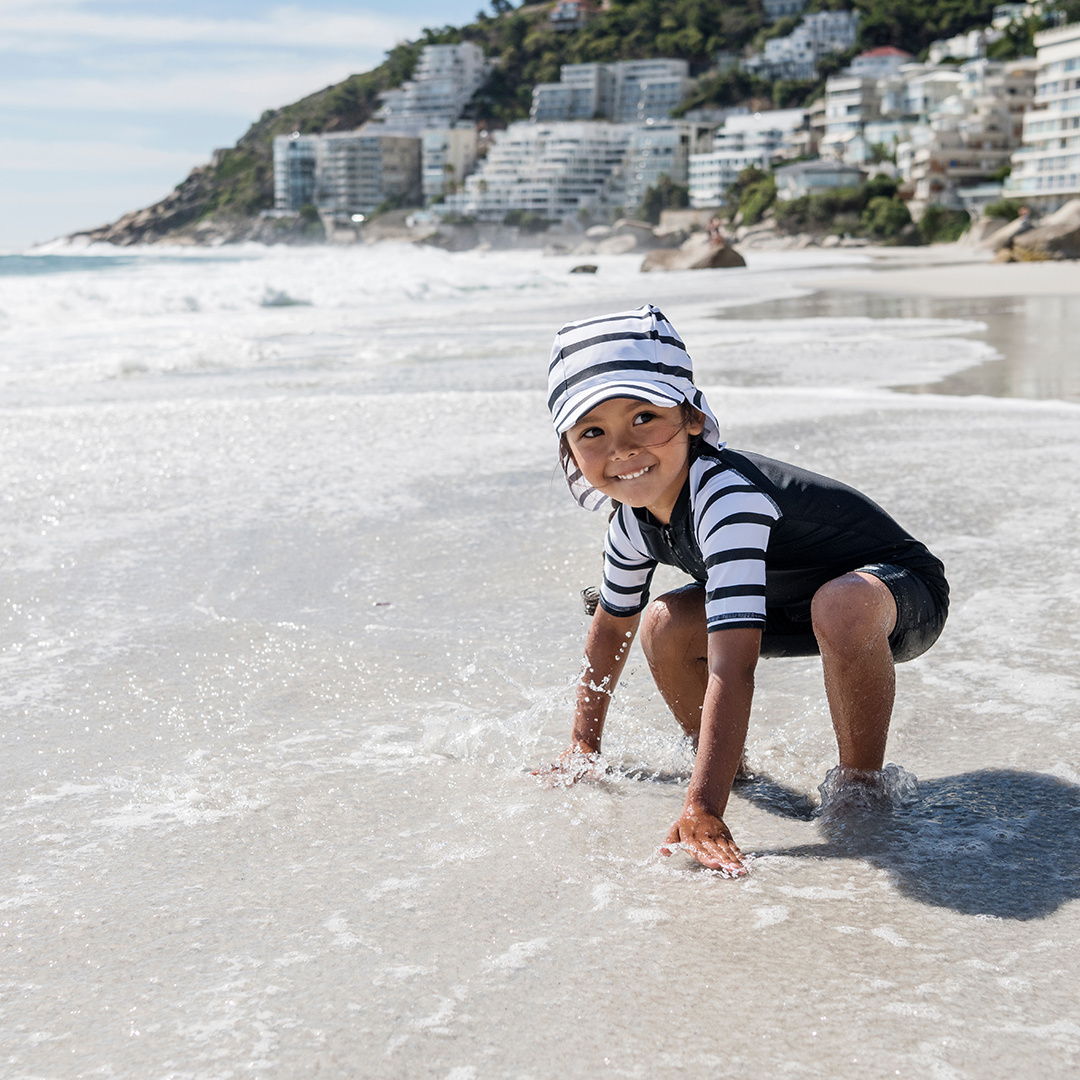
(634, 452)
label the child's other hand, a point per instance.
(572, 765)
(707, 839)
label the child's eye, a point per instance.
(591, 433)
(644, 417)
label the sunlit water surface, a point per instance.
(289, 611)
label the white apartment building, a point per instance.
(850, 103)
(927, 113)
(796, 55)
(1004, 14)
(295, 162)
(925, 91)
(782, 9)
(815, 178)
(969, 46)
(446, 77)
(627, 91)
(358, 170)
(1046, 170)
(879, 63)
(791, 57)
(584, 92)
(660, 148)
(964, 138)
(555, 170)
(345, 172)
(651, 93)
(447, 156)
(571, 14)
(760, 140)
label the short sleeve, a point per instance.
(733, 520)
(628, 568)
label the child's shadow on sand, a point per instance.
(1000, 842)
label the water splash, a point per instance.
(848, 794)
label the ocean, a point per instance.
(290, 611)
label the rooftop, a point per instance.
(885, 50)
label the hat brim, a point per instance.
(581, 404)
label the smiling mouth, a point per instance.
(633, 475)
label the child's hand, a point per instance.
(572, 765)
(707, 839)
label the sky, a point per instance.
(108, 104)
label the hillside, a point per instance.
(221, 200)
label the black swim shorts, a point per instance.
(921, 610)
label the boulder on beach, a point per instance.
(462, 237)
(698, 253)
(997, 239)
(642, 232)
(670, 237)
(624, 236)
(981, 230)
(612, 245)
(1057, 237)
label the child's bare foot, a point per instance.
(848, 793)
(744, 773)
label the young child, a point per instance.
(784, 562)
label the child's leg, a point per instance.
(853, 617)
(675, 642)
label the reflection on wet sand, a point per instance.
(1036, 336)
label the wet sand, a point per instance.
(1028, 310)
(956, 272)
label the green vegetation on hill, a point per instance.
(913, 24)
(872, 210)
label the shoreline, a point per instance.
(953, 272)
(1026, 312)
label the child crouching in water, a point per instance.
(784, 562)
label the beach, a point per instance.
(290, 613)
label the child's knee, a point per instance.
(670, 619)
(852, 610)
(656, 627)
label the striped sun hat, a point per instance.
(634, 354)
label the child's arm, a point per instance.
(725, 715)
(606, 649)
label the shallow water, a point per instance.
(290, 609)
(1033, 337)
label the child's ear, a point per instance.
(696, 424)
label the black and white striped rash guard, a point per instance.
(731, 519)
(761, 535)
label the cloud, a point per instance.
(41, 26)
(76, 55)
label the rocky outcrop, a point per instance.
(697, 253)
(1001, 239)
(981, 230)
(625, 236)
(1057, 237)
(181, 218)
(185, 203)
